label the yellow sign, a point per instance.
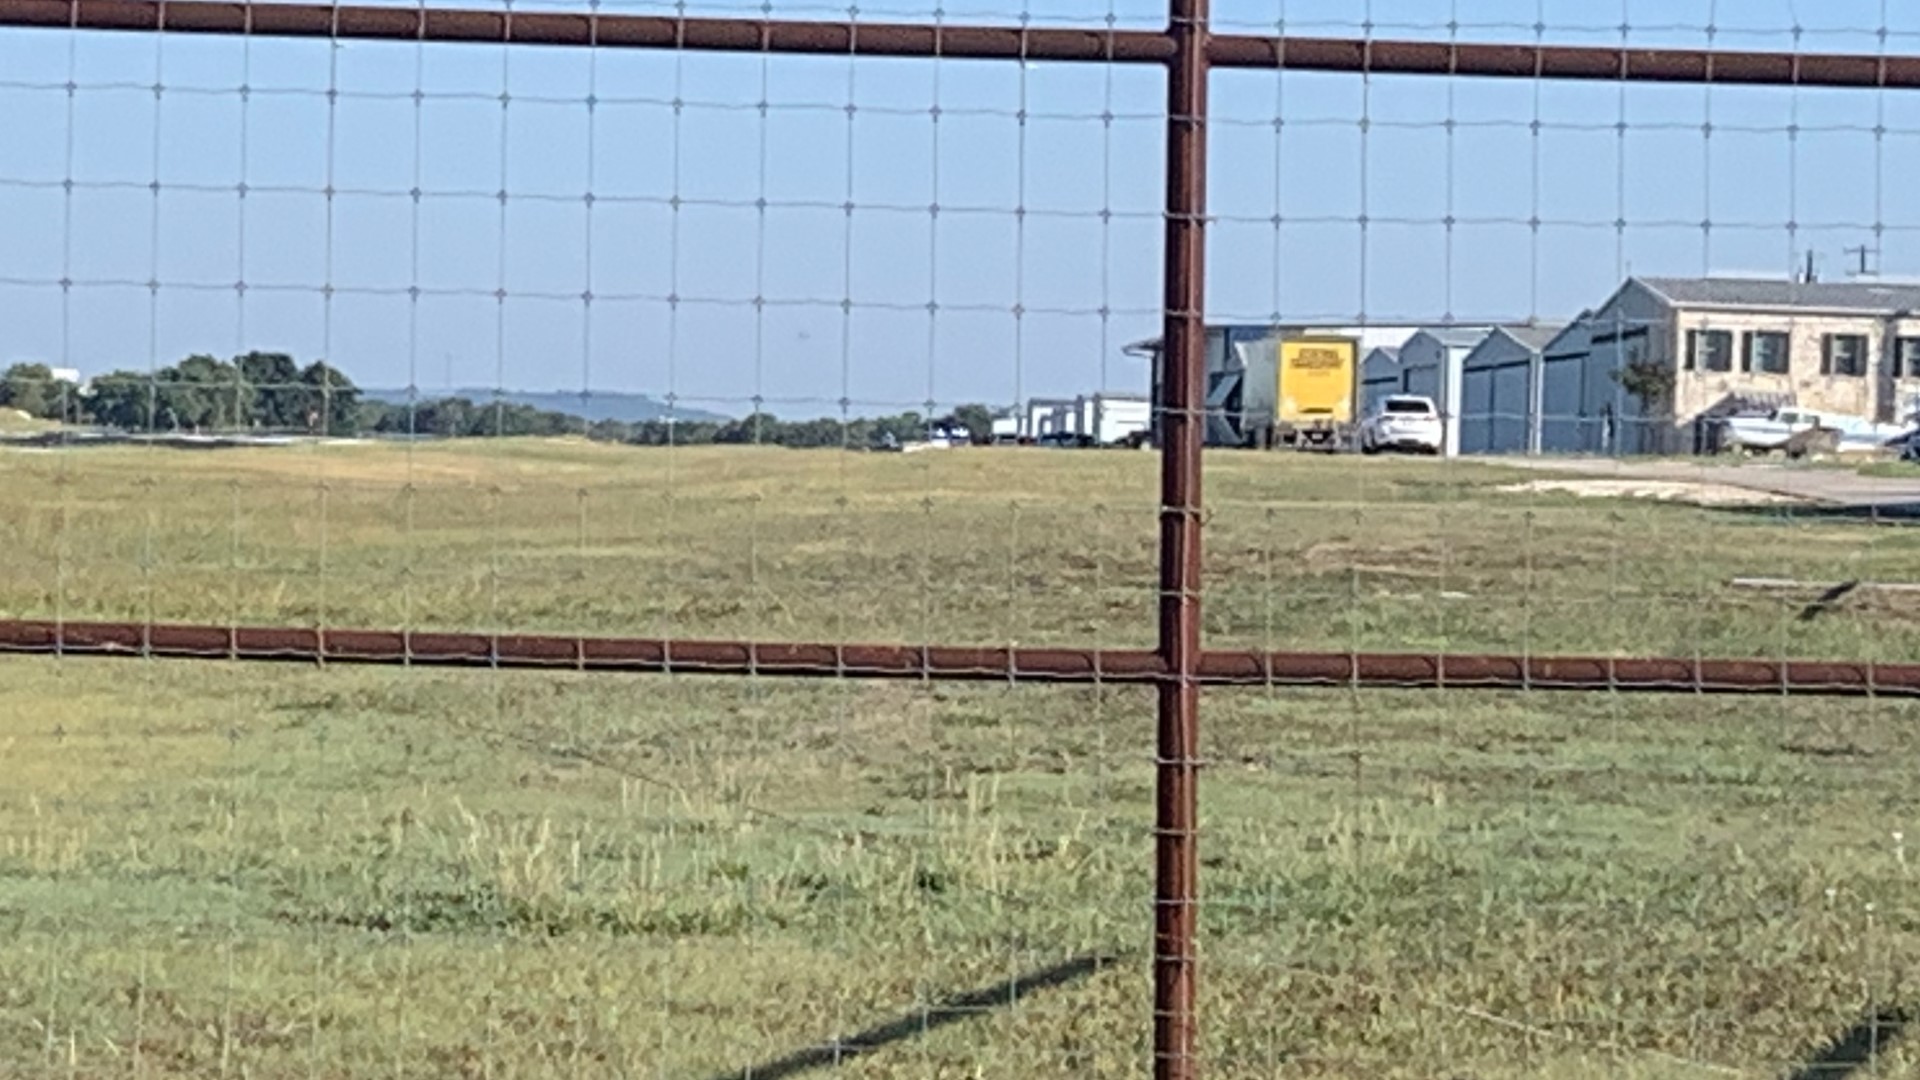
(1319, 357)
(1317, 378)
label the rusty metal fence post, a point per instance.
(1183, 388)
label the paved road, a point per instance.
(1835, 487)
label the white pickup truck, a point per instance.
(1405, 422)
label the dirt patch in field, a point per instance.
(1421, 559)
(1682, 491)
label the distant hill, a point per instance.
(600, 405)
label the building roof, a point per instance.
(1532, 338)
(1863, 296)
(1391, 352)
(1576, 339)
(1536, 336)
(1458, 337)
(1370, 336)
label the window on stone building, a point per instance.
(1766, 352)
(1844, 354)
(1709, 350)
(1906, 358)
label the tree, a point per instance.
(332, 402)
(124, 400)
(376, 416)
(1651, 385)
(204, 393)
(905, 427)
(618, 431)
(435, 416)
(448, 416)
(279, 394)
(813, 434)
(978, 420)
(32, 389)
(753, 428)
(1648, 382)
(664, 432)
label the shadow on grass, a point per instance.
(950, 1010)
(1903, 512)
(1827, 600)
(1856, 1049)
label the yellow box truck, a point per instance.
(1268, 386)
(1316, 397)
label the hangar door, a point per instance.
(1424, 381)
(1566, 427)
(1510, 406)
(1477, 411)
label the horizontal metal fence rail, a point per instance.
(960, 42)
(1138, 667)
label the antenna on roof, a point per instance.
(1865, 270)
(1809, 276)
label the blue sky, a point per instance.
(1346, 149)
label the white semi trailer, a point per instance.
(1113, 419)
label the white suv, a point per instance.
(1402, 422)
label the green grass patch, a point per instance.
(214, 869)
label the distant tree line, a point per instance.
(463, 417)
(255, 392)
(272, 393)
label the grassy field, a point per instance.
(988, 546)
(254, 871)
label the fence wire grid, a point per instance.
(667, 539)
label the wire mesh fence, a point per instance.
(654, 500)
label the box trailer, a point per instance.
(1279, 386)
(1047, 419)
(1317, 391)
(1113, 419)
